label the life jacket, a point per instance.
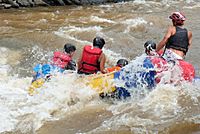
(90, 60)
(179, 40)
(61, 59)
(112, 69)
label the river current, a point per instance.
(64, 105)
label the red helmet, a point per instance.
(177, 17)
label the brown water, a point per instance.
(30, 36)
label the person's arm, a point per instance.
(102, 60)
(165, 39)
(71, 65)
(190, 38)
(79, 63)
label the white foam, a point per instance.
(65, 93)
(160, 106)
(133, 23)
(112, 57)
(69, 32)
(140, 1)
(28, 113)
(98, 19)
(4, 67)
(197, 5)
(71, 29)
(43, 20)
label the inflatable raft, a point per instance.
(144, 74)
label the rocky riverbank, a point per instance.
(31, 3)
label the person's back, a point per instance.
(93, 59)
(177, 40)
(64, 59)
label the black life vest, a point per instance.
(179, 40)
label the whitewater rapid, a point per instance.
(31, 36)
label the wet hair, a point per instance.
(69, 48)
(122, 62)
(98, 42)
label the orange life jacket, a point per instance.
(112, 69)
(61, 59)
(90, 60)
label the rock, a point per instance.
(84, 2)
(7, 6)
(25, 3)
(1, 6)
(61, 2)
(55, 2)
(50, 2)
(30, 3)
(40, 3)
(93, 1)
(13, 3)
(68, 2)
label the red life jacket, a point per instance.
(90, 60)
(61, 59)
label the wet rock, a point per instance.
(25, 3)
(61, 2)
(1, 6)
(68, 2)
(30, 3)
(40, 3)
(93, 1)
(55, 2)
(84, 2)
(13, 3)
(7, 6)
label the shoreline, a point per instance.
(8, 4)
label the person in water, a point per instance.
(61, 61)
(93, 59)
(120, 63)
(177, 39)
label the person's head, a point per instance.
(98, 42)
(122, 62)
(177, 18)
(149, 46)
(69, 48)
